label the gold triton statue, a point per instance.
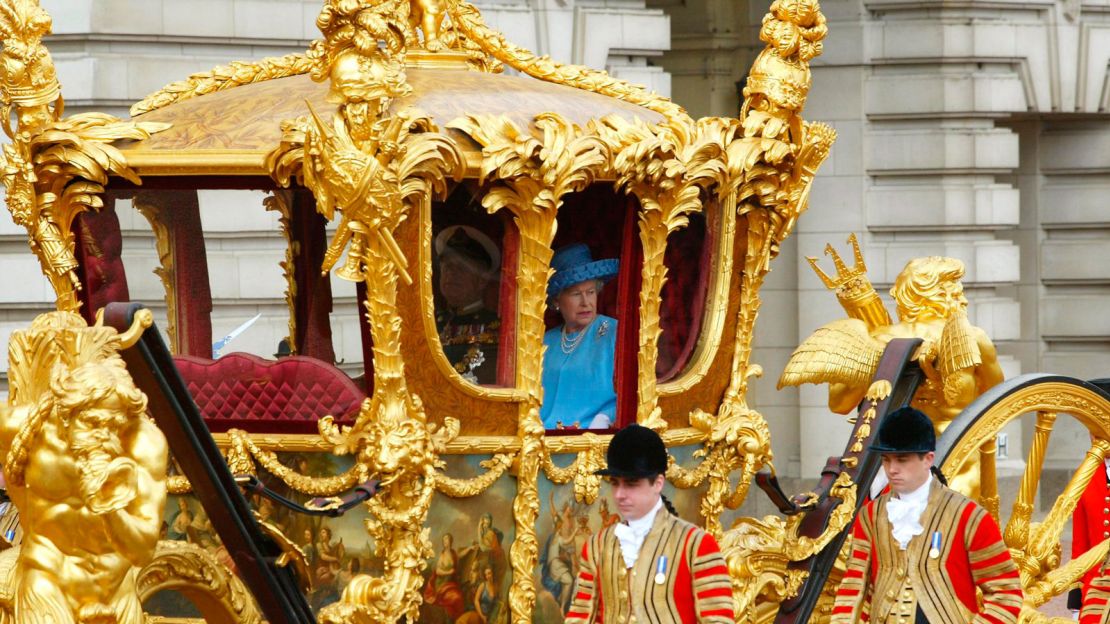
(86, 467)
(958, 359)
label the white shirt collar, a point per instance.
(643, 525)
(920, 494)
(632, 535)
(904, 513)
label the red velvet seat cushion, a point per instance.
(289, 395)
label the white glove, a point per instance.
(600, 421)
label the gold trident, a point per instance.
(853, 288)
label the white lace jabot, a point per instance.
(632, 535)
(904, 513)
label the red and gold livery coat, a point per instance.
(695, 587)
(1090, 526)
(971, 556)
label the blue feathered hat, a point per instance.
(574, 264)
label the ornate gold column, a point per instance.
(533, 174)
(54, 168)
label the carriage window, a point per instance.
(471, 307)
(245, 251)
(588, 313)
(683, 297)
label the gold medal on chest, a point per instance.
(934, 551)
(661, 570)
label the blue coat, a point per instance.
(579, 385)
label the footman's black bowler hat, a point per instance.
(635, 452)
(905, 430)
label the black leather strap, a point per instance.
(330, 506)
(256, 555)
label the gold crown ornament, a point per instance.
(853, 288)
(25, 65)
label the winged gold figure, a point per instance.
(959, 360)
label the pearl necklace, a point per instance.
(568, 345)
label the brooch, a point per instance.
(603, 328)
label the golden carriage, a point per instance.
(397, 124)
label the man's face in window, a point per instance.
(461, 281)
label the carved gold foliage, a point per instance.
(463, 488)
(587, 484)
(166, 270)
(54, 168)
(468, 20)
(739, 439)
(78, 445)
(55, 174)
(758, 552)
(243, 450)
(281, 202)
(371, 171)
(667, 168)
(530, 175)
(223, 77)
(189, 569)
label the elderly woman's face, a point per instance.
(578, 305)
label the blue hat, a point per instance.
(574, 264)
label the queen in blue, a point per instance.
(578, 361)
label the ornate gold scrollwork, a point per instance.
(281, 202)
(768, 169)
(667, 168)
(189, 569)
(224, 77)
(759, 551)
(166, 269)
(530, 176)
(54, 168)
(468, 20)
(373, 170)
(86, 468)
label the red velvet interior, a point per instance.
(313, 303)
(289, 395)
(688, 259)
(194, 294)
(101, 271)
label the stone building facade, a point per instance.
(976, 129)
(972, 129)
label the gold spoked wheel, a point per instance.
(1035, 546)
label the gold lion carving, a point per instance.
(86, 468)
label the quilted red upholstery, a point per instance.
(289, 395)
